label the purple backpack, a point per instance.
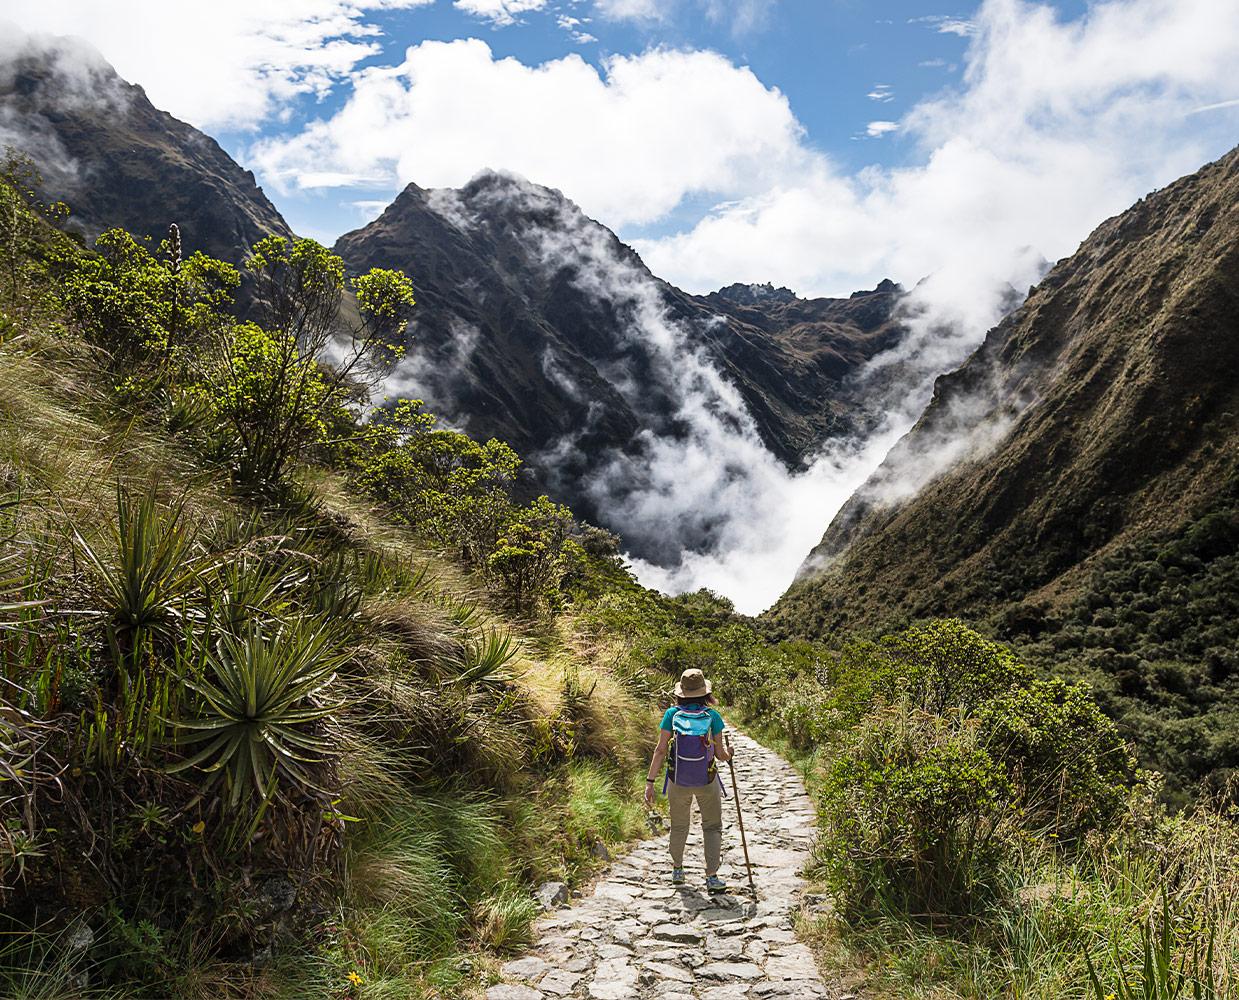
(691, 761)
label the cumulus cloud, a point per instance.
(1056, 125)
(627, 143)
(226, 63)
(875, 130)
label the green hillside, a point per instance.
(1092, 518)
(293, 705)
(300, 702)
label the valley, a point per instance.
(341, 590)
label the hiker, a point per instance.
(692, 730)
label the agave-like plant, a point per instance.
(153, 567)
(246, 587)
(261, 692)
(486, 658)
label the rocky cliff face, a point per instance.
(537, 325)
(1101, 412)
(119, 161)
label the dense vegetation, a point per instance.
(259, 734)
(985, 831)
(298, 699)
(1155, 628)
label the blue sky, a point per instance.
(727, 140)
(827, 57)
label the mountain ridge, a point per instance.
(585, 347)
(120, 161)
(1114, 386)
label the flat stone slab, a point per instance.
(509, 992)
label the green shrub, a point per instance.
(915, 817)
(1070, 768)
(944, 664)
(528, 560)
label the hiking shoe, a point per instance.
(677, 876)
(715, 884)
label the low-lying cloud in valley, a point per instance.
(1052, 130)
(1054, 125)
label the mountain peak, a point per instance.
(883, 287)
(118, 160)
(755, 293)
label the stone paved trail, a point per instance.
(638, 937)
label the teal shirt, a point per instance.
(716, 720)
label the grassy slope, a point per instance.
(1099, 899)
(442, 843)
(1098, 536)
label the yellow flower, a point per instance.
(355, 979)
(199, 827)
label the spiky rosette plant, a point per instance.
(261, 694)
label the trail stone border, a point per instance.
(637, 936)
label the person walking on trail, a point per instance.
(690, 740)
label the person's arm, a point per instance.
(660, 755)
(721, 753)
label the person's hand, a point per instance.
(649, 794)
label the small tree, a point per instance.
(22, 215)
(528, 560)
(277, 385)
(148, 312)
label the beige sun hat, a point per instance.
(692, 684)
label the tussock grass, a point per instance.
(416, 771)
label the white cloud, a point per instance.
(369, 208)
(875, 130)
(881, 92)
(631, 10)
(224, 63)
(742, 16)
(945, 24)
(1055, 126)
(628, 144)
(499, 12)
(575, 28)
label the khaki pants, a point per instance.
(710, 803)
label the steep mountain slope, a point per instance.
(119, 161)
(538, 326)
(1100, 414)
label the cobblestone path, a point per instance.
(637, 936)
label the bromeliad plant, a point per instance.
(261, 694)
(153, 567)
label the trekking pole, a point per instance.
(735, 789)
